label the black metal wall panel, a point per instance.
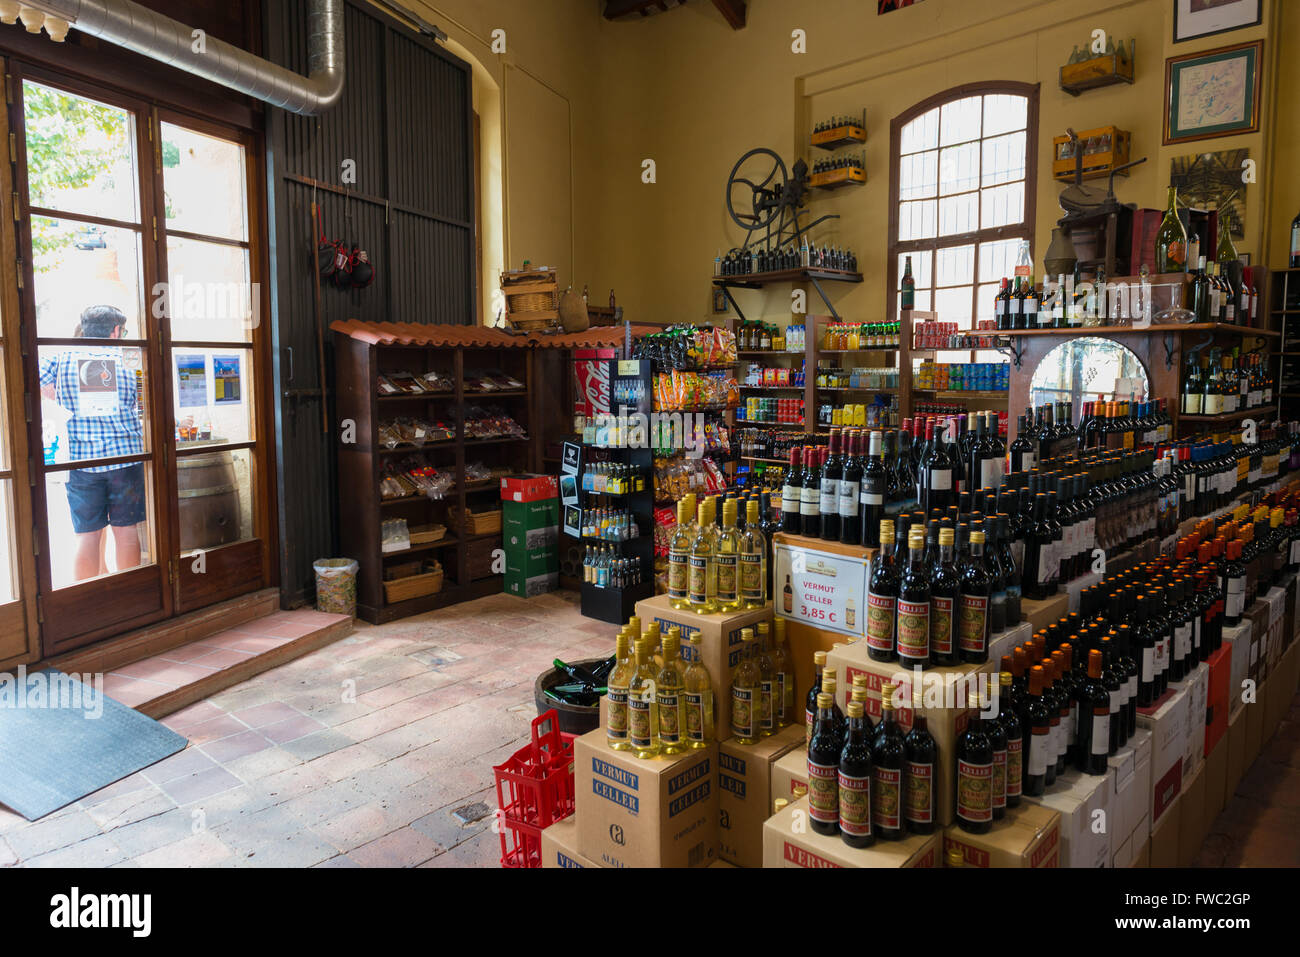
(405, 119)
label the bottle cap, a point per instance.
(819, 658)
(855, 709)
(824, 701)
(747, 634)
(977, 538)
(955, 858)
(779, 805)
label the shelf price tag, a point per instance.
(821, 589)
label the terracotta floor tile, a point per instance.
(196, 787)
(195, 649)
(404, 848)
(220, 658)
(291, 728)
(197, 850)
(133, 692)
(214, 728)
(264, 714)
(194, 714)
(236, 746)
(181, 764)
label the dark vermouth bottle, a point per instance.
(829, 505)
(974, 752)
(913, 633)
(823, 770)
(810, 704)
(810, 496)
(1022, 450)
(945, 591)
(882, 598)
(888, 761)
(791, 494)
(973, 613)
(998, 740)
(1012, 728)
(855, 781)
(851, 490)
(1094, 719)
(1036, 725)
(922, 760)
(875, 479)
(936, 473)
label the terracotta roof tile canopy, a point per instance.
(477, 337)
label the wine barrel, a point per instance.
(208, 494)
(574, 719)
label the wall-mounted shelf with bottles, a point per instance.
(840, 131)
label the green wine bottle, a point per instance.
(1171, 239)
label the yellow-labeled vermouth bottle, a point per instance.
(919, 775)
(810, 709)
(823, 770)
(616, 694)
(854, 780)
(670, 695)
(783, 678)
(726, 559)
(679, 557)
(974, 773)
(882, 599)
(888, 762)
(1011, 725)
(642, 707)
(767, 682)
(973, 609)
(746, 693)
(702, 577)
(914, 605)
(753, 560)
(698, 696)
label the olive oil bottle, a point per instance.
(616, 695)
(698, 696)
(670, 696)
(642, 706)
(746, 694)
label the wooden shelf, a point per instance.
(1226, 416)
(756, 280)
(837, 137)
(407, 396)
(854, 352)
(772, 388)
(751, 458)
(965, 394)
(854, 388)
(427, 547)
(497, 440)
(769, 352)
(1075, 331)
(779, 426)
(837, 178)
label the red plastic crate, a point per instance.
(534, 790)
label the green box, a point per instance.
(518, 540)
(527, 516)
(533, 562)
(525, 586)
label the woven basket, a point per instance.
(427, 534)
(532, 299)
(475, 523)
(414, 586)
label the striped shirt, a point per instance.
(98, 388)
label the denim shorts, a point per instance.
(112, 498)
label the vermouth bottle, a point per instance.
(746, 694)
(698, 695)
(974, 753)
(1036, 726)
(616, 695)
(726, 560)
(973, 611)
(823, 770)
(679, 557)
(753, 560)
(702, 582)
(882, 599)
(670, 695)
(642, 706)
(1011, 726)
(888, 761)
(997, 736)
(919, 777)
(854, 781)
(913, 642)
(767, 723)
(810, 707)
(945, 590)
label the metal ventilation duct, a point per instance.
(168, 41)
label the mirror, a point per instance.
(1080, 370)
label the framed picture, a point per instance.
(1203, 18)
(1215, 93)
(720, 302)
(1212, 180)
(889, 6)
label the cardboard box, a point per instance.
(1196, 686)
(943, 704)
(1236, 754)
(1216, 779)
(787, 771)
(1029, 836)
(1122, 855)
(1238, 638)
(661, 812)
(529, 488)
(1004, 642)
(745, 793)
(516, 581)
(520, 517)
(1258, 614)
(720, 645)
(1255, 725)
(1130, 768)
(1192, 818)
(1088, 819)
(1040, 614)
(560, 845)
(1165, 837)
(1143, 857)
(1217, 697)
(789, 841)
(1168, 726)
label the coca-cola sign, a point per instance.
(591, 366)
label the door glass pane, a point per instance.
(214, 402)
(80, 155)
(916, 220)
(956, 265)
(100, 523)
(93, 402)
(214, 498)
(209, 298)
(203, 179)
(8, 583)
(76, 266)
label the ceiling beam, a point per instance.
(733, 11)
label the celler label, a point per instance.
(699, 580)
(919, 805)
(913, 629)
(888, 803)
(765, 711)
(742, 712)
(973, 624)
(999, 779)
(678, 564)
(695, 716)
(727, 584)
(942, 624)
(1015, 766)
(855, 805)
(880, 622)
(974, 792)
(616, 725)
(751, 576)
(641, 719)
(670, 717)
(823, 799)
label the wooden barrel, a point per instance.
(209, 500)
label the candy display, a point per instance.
(405, 430)
(415, 475)
(687, 348)
(489, 423)
(675, 477)
(678, 391)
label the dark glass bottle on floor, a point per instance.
(945, 593)
(974, 754)
(855, 781)
(875, 486)
(1011, 726)
(1094, 719)
(823, 770)
(888, 762)
(973, 609)
(829, 503)
(913, 630)
(919, 775)
(1036, 726)
(882, 599)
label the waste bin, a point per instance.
(336, 586)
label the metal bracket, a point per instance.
(826, 299)
(1169, 350)
(726, 291)
(1015, 349)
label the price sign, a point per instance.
(821, 589)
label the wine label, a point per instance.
(1236, 596)
(974, 791)
(941, 480)
(697, 587)
(1100, 731)
(855, 804)
(641, 724)
(1039, 745)
(823, 792)
(1015, 766)
(973, 624)
(809, 499)
(887, 806)
(765, 711)
(1148, 665)
(808, 718)
(727, 579)
(999, 779)
(830, 497)
(678, 566)
(880, 622)
(742, 712)
(942, 625)
(913, 629)
(1028, 460)
(695, 723)
(848, 504)
(616, 722)
(670, 717)
(918, 805)
(790, 498)
(751, 576)
(991, 472)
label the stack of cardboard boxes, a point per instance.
(530, 534)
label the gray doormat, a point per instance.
(61, 739)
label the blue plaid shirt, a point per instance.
(104, 421)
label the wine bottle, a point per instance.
(882, 598)
(1012, 728)
(810, 703)
(829, 503)
(974, 753)
(973, 613)
(698, 696)
(791, 493)
(854, 781)
(945, 590)
(1171, 239)
(913, 641)
(922, 754)
(888, 762)
(1094, 719)
(850, 502)
(823, 770)
(810, 497)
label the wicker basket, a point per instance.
(414, 586)
(427, 534)
(532, 299)
(475, 523)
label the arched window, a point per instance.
(962, 195)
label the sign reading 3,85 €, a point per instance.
(821, 589)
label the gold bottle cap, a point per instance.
(747, 634)
(946, 537)
(762, 629)
(799, 789)
(779, 805)
(1004, 679)
(819, 658)
(887, 696)
(729, 513)
(634, 623)
(696, 640)
(751, 512)
(828, 684)
(855, 709)
(824, 701)
(858, 694)
(684, 512)
(676, 632)
(831, 673)
(779, 627)
(955, 858)
(916, 537)
(860, 681)
(977, 538)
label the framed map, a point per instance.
(1211, 94)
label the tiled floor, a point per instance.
(357, 755)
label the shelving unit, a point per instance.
(1284, 310)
